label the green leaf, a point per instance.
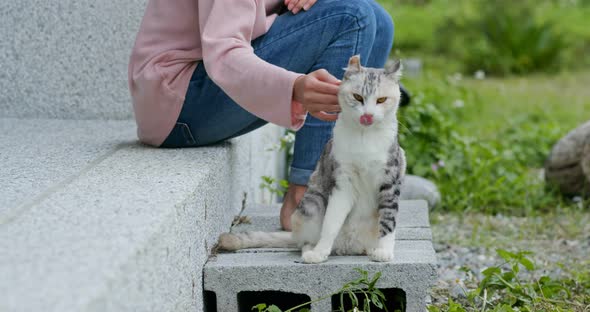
(364, 274)
(491, 271)
(367, 305)
(274, 308)
(376, 301)
(260, 307)
(376, 277)
(528, 264)
(515, 268)
(508, 276)
(353, 299)
(506, 255)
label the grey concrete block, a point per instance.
(66, 59)
(413, 268)
(96, 222)
(411, 233)
(227, 274)
(412, 214)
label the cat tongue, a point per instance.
(366, 119)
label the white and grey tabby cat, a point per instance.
(352, 199)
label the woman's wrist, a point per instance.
(298, 87)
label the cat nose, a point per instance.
(366, 119)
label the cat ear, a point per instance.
(354, 63)
(394, 70)
(354, 66)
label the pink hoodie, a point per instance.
(175, 35)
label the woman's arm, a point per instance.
(261, 88)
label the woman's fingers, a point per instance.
(297, 5)
(324, 82)
(318, 92)
(325, 88)
(293, 4)
(325, 76)
(315, 97)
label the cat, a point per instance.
(352, 198)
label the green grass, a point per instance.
(556, 241)
(416, 25)
(563, 99)
(484, 141)
(494, 143)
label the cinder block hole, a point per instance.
(209, 301)
(283, 300)
(395, 300)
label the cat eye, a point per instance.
(381, 100)
(358, 97)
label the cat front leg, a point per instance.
(339, 206)
(306, 248)
(388, 208)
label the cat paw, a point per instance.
(381, 254)
(306, 248)
(312, 256)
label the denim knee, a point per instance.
(359, 13)
(385, 25)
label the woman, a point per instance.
(204, 71)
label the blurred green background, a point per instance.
(496, 85)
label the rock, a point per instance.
(585, 162)
(568, 165)
(415, 187)
(458, 291)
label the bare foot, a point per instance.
(292, 198)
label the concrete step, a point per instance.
(235, 280)
(90, 220)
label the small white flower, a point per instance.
(458, 103)
(289, 137)
(455, 78)
(480, 75)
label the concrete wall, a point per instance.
(66, 59)
(89, 219)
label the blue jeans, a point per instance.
(325, 37)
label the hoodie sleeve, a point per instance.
(261, 88)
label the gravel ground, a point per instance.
(560, 243)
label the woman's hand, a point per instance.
(296, 5)
(318, 93)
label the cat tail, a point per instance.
(237, 241)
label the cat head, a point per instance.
(369, 96)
